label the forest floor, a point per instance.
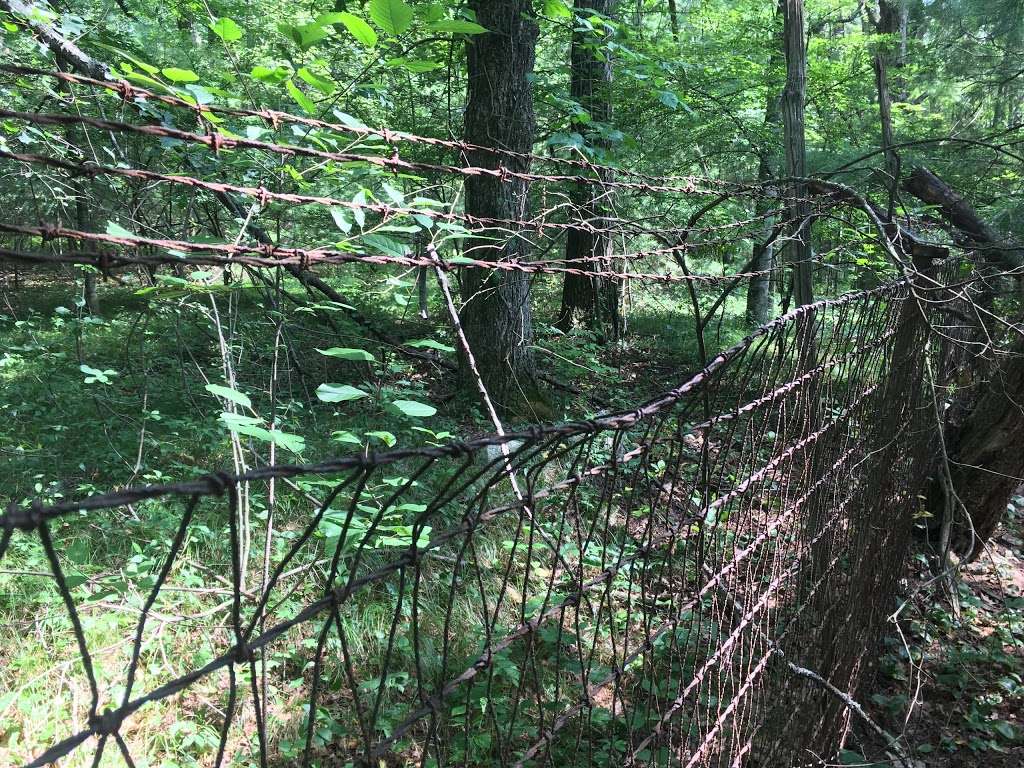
(951, 679)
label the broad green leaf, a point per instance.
(393, 16)
(413, 408)
(230, 394)
(358, 28)
(358, 212)
(322, 84)
(339, 393)
(226, 29)
(385, 245)
(346, 353)
(416, 66)
(557, 9)
(385, 437)
(457, 27)
(340, 216)
(250, 427)
(395, 194)
(430, 344)
(1004, 729)
(176, 75)
(310, 35)
(344, 436)
(300, 98)
(288, 441)
(328, 19)
(349, 121)
(275, 76)
(234, 420)
(115, 229)
(669, 99)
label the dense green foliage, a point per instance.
(178, 371)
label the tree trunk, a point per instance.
(986, 458)
(994, 248)
(673, 15)
(759, 298)
(595, 299)
(891, 22)
(496, 314)
(984, 436)
(793, 107)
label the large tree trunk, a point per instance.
(496, 314)
(986, 455)
(985, 435)
(595, 299)
(992, 246)
(793, 108)
(759, 299)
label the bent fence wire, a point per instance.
(638, 605)
(668, 585)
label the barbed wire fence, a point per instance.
(696, 581)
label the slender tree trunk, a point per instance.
(891, 22)
(759, 298)
(793, 109)
(496, 313)
(673, 16)
(596, 299)
(89, 295)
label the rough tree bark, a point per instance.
(793, 108)
(986, 455)
(977, 233)
(673, 15)
(890, 19)
(759, 299)
(595, 299)
(92, 302)
(496, 313)
(985, 435)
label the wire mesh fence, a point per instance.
(638, 602)
(695, 581)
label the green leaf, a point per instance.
(249, 426)
(416, 66)
(230, 394)
(386, 245)
(344, 436)
(1004, 729)
(358, 28)
(288, 441)
(78, 551)
(235, 421)
(341, 219)
(176, 75)
(557, 9)
(115, 229)
(339, 393)
(669, 99)
(322, 84)
(393, 16)
(275, 76)
(413, 408)
(300, 98)
(310, 35)
(430, 344)
(457, 27)
(385, 437)
(226, 29)
(345, 353)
